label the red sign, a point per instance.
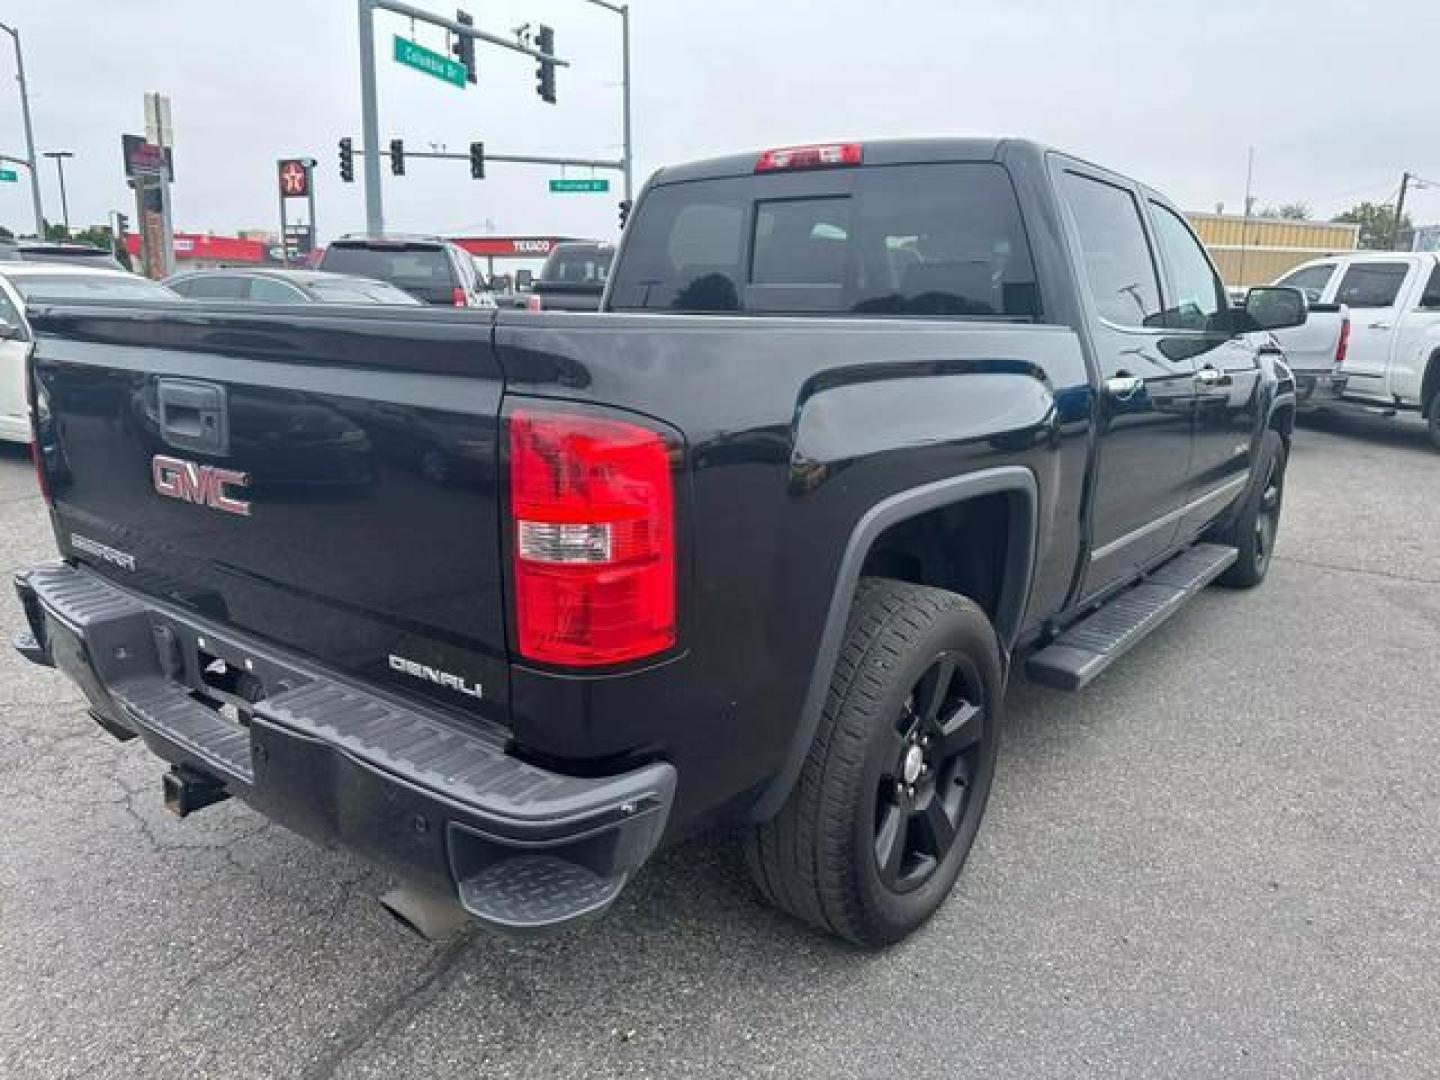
(294, 179)
(514, 246)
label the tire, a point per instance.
(861, 791)
(1257, 523)
(1434, 422)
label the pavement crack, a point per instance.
(373, 1024)
(1390, 574)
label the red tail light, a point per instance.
(1343, 346)
(593, 504)
(817, 156)
(534, 303)
(457, 296)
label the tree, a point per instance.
(1291, 211)
(1377, 223)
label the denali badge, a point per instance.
(435, 675)
(201, 484)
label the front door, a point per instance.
(1374, 290)
(1227, 371)
(1144, 414)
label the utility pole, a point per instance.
(1399, 210)
(1245, 223)
(59, 156)
(623, 10)
(29, 132)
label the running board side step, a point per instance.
(1078, 656)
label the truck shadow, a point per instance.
(1400, 431)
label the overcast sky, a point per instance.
(1336, 98)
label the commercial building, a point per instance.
(1257, 250)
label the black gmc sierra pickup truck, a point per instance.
(858, 426)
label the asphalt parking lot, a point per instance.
(1223, 859)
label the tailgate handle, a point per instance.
(194, 416)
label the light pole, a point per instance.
(29, 132)
(59, 156)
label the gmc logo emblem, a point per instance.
(203, 485)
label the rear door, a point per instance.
(1375, 289)
(1227, 369)
(1145, 413)
(324, 481)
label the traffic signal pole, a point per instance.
(369, 109)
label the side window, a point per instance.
(220, 287)
(1371, 284)
(1311, 280)
(1195, 292)
(267, 291)
(1431, 298)
(9, 312)
(1116, 256)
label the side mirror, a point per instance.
(1276, 307)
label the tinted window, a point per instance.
(270, 291)
(1431, 298)
(884, 240)
(576, 266)
(1375, 284)
(1194, 291)
(82, 286)
(220, 287)
(1113, 249)
(415, 267)
(1311, 280)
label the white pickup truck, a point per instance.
(1378, 315)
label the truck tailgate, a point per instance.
(322, 479)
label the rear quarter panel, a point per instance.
(794, 429)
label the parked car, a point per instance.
(572, 279)
(67, 254)
(269, 286)
(432, 270)
(1382, 312)
(24, 282)
(971, 403)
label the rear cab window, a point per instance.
(1311, 280)
(409, 266)
(887, 240)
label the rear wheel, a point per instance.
(1435, 422)
(1257, 525)
(891, 795)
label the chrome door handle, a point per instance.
(1209, 376)
(1123, 386)
(1379, 326)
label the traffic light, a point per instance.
(122, 224)
(397, 156)
(624, 212)
(545, 70)
(347, 160)
(477, 161)
(464, 47)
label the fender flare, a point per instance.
(1019, 571)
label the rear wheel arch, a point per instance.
(1012, 488)
(1430, 385)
